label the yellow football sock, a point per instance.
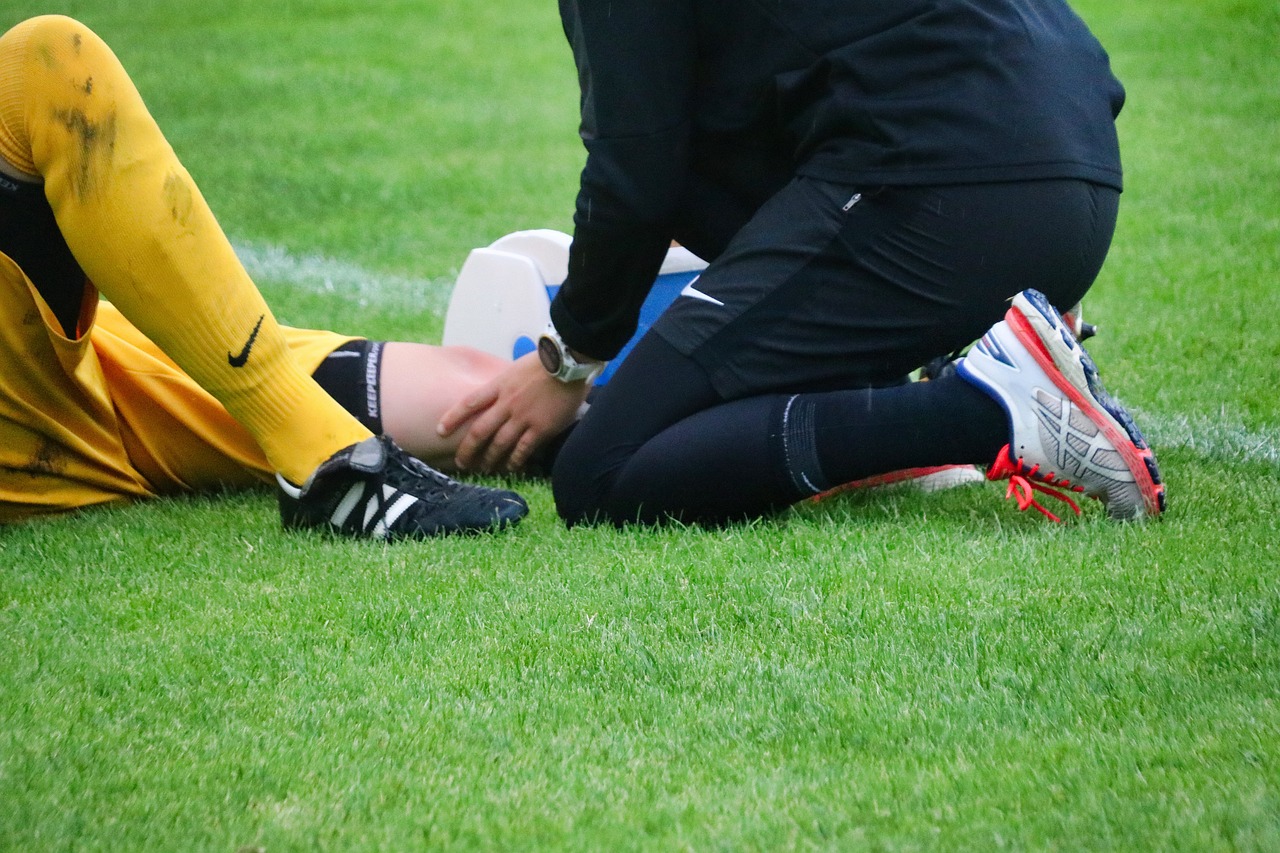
(142, 232)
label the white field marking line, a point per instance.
(346, 281)
(1216, 438)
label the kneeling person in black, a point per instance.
(872, 185)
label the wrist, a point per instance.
(564, 363)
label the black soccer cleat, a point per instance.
(374, 490)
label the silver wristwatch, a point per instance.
(560, 362)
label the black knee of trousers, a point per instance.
(721, 463)
(584, 479)
(571, 478)
(596, 476)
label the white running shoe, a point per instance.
(1066, 432)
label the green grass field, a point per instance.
(897, 672)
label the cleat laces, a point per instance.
(1026, 480)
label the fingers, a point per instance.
(497, 455)
(462, 411)
(491, 445)
(524, 449)
(475, 442)
(486, 443)
(509, 417)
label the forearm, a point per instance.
(635, 61)
(597, 309)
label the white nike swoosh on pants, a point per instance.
(693, 292)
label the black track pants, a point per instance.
(780, 376)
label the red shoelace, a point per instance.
(1026, 480)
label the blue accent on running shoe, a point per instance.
(992, 347)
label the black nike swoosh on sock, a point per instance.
(240, 359)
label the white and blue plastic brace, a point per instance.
(501, 301)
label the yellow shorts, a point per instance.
(109, 417)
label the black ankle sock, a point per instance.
(942, 422)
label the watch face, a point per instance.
(549, 354)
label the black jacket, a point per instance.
(690, 106)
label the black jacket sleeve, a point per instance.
(635, 62)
